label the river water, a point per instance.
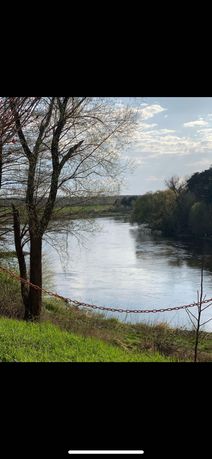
(126, 266)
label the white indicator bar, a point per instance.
(106, 452)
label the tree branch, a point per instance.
(21, 135)
(69, 154)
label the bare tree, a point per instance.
(69, 145)
(176, 185)
(8, 139)
(25, 105)
(196, 319)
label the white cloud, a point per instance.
(148, 126)
(195, 123)
(151, 141)
(157, 142)
(205, 135)
(204, 130)
(172, 145)
(151, 110)
(166, 131)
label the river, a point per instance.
(125, 266)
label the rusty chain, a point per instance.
(101, 308)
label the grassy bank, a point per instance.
(98, 210)
(96, 337)
(177, 344)
(44, 342)
(82, 211)
(61, 336)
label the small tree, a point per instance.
(68, 146)
(196, 319)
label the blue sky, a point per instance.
(173, 137)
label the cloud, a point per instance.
(205, 134)
(166, 131)
(151, 110)
(204, 130)
(158, 142)
(173, 145)
(148, 125)
(169, 147)
(195, 123)
(151, 141)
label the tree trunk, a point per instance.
(35, 295)
(1, 162)
(20, 255)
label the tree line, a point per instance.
(184, 208)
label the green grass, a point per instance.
(29, 342)
(134, 341)
(83, 211)
(86, 211)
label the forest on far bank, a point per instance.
(184, 208)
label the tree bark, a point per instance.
(35, 295)
(21, 257)
(1, 162)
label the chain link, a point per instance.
(101, 308)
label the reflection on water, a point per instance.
(125, 266)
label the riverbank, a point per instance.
(130, 342)
(81, 211)
(89, 211)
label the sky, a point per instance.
(173, 137)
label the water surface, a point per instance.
(125, 266)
